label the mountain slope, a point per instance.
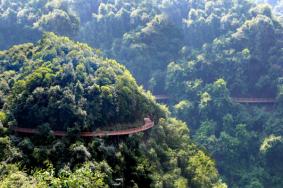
(58, 84)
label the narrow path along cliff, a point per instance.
(148, 124)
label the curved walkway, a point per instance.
(148, 123)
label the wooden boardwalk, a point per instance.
(242, 100)
(254, 100)
(161, 97)
(148, 124)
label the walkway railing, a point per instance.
(161, 97)
(148, 123)
(254, 100)
(234, 99)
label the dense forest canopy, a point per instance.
(58, 84)
(61, 83)
(199, 53)
(147, 35)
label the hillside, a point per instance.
(61, 84)
(200, 55)
(57, 84)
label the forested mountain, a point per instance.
(199, 53)
(57, 84)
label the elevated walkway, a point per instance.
(148, 124)
(242, 100)
(254, 100)
(161, 97)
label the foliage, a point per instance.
(200, 53)
(63, 84)
(57, 84)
